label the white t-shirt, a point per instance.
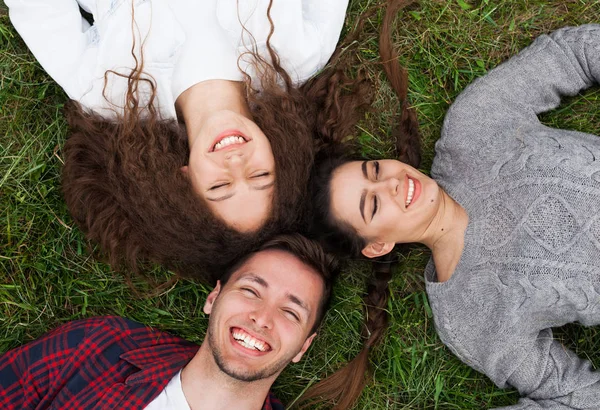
(171, 398)
(184, 42)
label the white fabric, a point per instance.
(184, 41)
(171, 398)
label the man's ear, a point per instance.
(212, 296)
(375, 249)
(305, 347)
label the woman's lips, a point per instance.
(413, 191)
(228, 139)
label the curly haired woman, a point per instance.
(191, 137)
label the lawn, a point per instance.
(50, 274)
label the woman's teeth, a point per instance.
(234, 139)
(248, 341)
(411, 191)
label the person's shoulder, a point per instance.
(125, 333)
(100, 322)
(119, 326)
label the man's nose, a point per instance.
(262, 317)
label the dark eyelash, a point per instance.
(375, 202)
(250, 290)
(293, 314)
(218, 186)
(264, 174)
(375, 205)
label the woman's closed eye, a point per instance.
(218, 185)
(261, 174)
(375, 170)
(375, 203)
(375, 206)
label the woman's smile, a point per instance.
(413, 190)
(229, 139)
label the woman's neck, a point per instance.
(201, 100)
(446, 235)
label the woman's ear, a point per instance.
(375, 249)
(184, 170)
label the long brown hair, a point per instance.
(122, 183)
(342, 388)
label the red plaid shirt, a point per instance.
(97, 363)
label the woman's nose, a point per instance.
(235, 162)
(234, 156)
(393, 185)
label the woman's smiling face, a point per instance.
(385, 201)
(232, 167)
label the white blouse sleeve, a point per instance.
(305, 31)
(56, 34)
(327, 19)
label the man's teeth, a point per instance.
(411, 191)
(234, 139)
(248, 341)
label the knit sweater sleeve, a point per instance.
(553, 377)
(494, 111)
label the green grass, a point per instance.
(49, 274)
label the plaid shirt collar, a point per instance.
(156, 364)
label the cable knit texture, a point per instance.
(531, 257)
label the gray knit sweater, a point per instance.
(531, 257)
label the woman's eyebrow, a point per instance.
(364, 169)
(263, 187)
(221, 198)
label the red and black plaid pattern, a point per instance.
(98, 363)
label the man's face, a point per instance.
(261, 319)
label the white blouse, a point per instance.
(184, 42)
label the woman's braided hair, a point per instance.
(342, 388)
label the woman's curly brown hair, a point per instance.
(122, 181)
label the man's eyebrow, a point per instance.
(294, 299)
(253, 278)
(221, 198)
(263, 187)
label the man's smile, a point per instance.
(248, 342)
